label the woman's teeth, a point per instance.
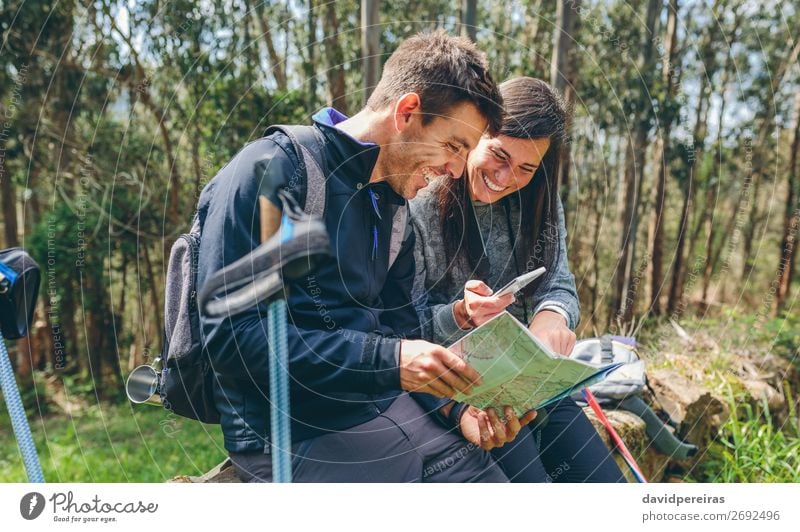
(490, 184)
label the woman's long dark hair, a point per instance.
(533, 110)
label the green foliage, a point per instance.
(124, 103)
(751, 448)
(119, 443)
(779, 334)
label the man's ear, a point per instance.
(406, 110)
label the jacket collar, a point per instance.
(349, 158)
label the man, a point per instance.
(351, 420)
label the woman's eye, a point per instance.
(453, 148)
(498, 155)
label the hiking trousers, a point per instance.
(566, 448)
(402, 444)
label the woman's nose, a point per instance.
(503, 175)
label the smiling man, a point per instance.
(352, 418)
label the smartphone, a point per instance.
(520, 282)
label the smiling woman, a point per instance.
(520, 164)
(502, 219)
(501, 166)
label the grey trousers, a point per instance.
(403, 444)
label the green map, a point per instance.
(518, 370)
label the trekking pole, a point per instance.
(279, 392)
(19, 287)
(621, 447)
(291, 253)
(19, 421)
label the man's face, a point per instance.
(422, 153)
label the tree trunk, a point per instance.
(713, 188)
(469, 17)
(698, 138)
(94, 329)
(760, 146)
(24, 366)
(311, 65)
(788, 251)
(627, 279)
(157, 305)
(533, 26)
(10, 227)
(562, 78)
(563, 35)
(370, 44)
(275, 61)
(662, 158)
(335, 57)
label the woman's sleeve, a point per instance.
(558, 292)
(436, 318)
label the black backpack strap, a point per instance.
(662, 438)
(606, 350)
(309, 148)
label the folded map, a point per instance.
(518, 370)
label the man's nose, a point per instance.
(455, 167)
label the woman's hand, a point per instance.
(479, 305)
(487, 430)
(551, 328)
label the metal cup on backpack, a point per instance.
(143, 384)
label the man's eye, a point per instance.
(453, 148)
(499, 155)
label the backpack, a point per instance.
(628, 380)
(19, 286)
(623, 389)
(187, 379)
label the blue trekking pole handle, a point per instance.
(19, 421)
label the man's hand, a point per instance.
(479, 305)
(551, 328)
(430, 368)
(487, 430)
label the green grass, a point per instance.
(114, 443)
(751, 448)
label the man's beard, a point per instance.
(397, 170)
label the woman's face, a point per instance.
(501, 165)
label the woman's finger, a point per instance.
(528, 417)
(478, 287)
(512, 423)
(498, 426)
(485, 431)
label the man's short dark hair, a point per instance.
(444, 71)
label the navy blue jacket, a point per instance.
(343, 344)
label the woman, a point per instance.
(503, 218)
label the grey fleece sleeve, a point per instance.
(437, 319)
(558, 291)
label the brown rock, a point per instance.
(698, 411)
(760, 390)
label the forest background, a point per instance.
(681, 186)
